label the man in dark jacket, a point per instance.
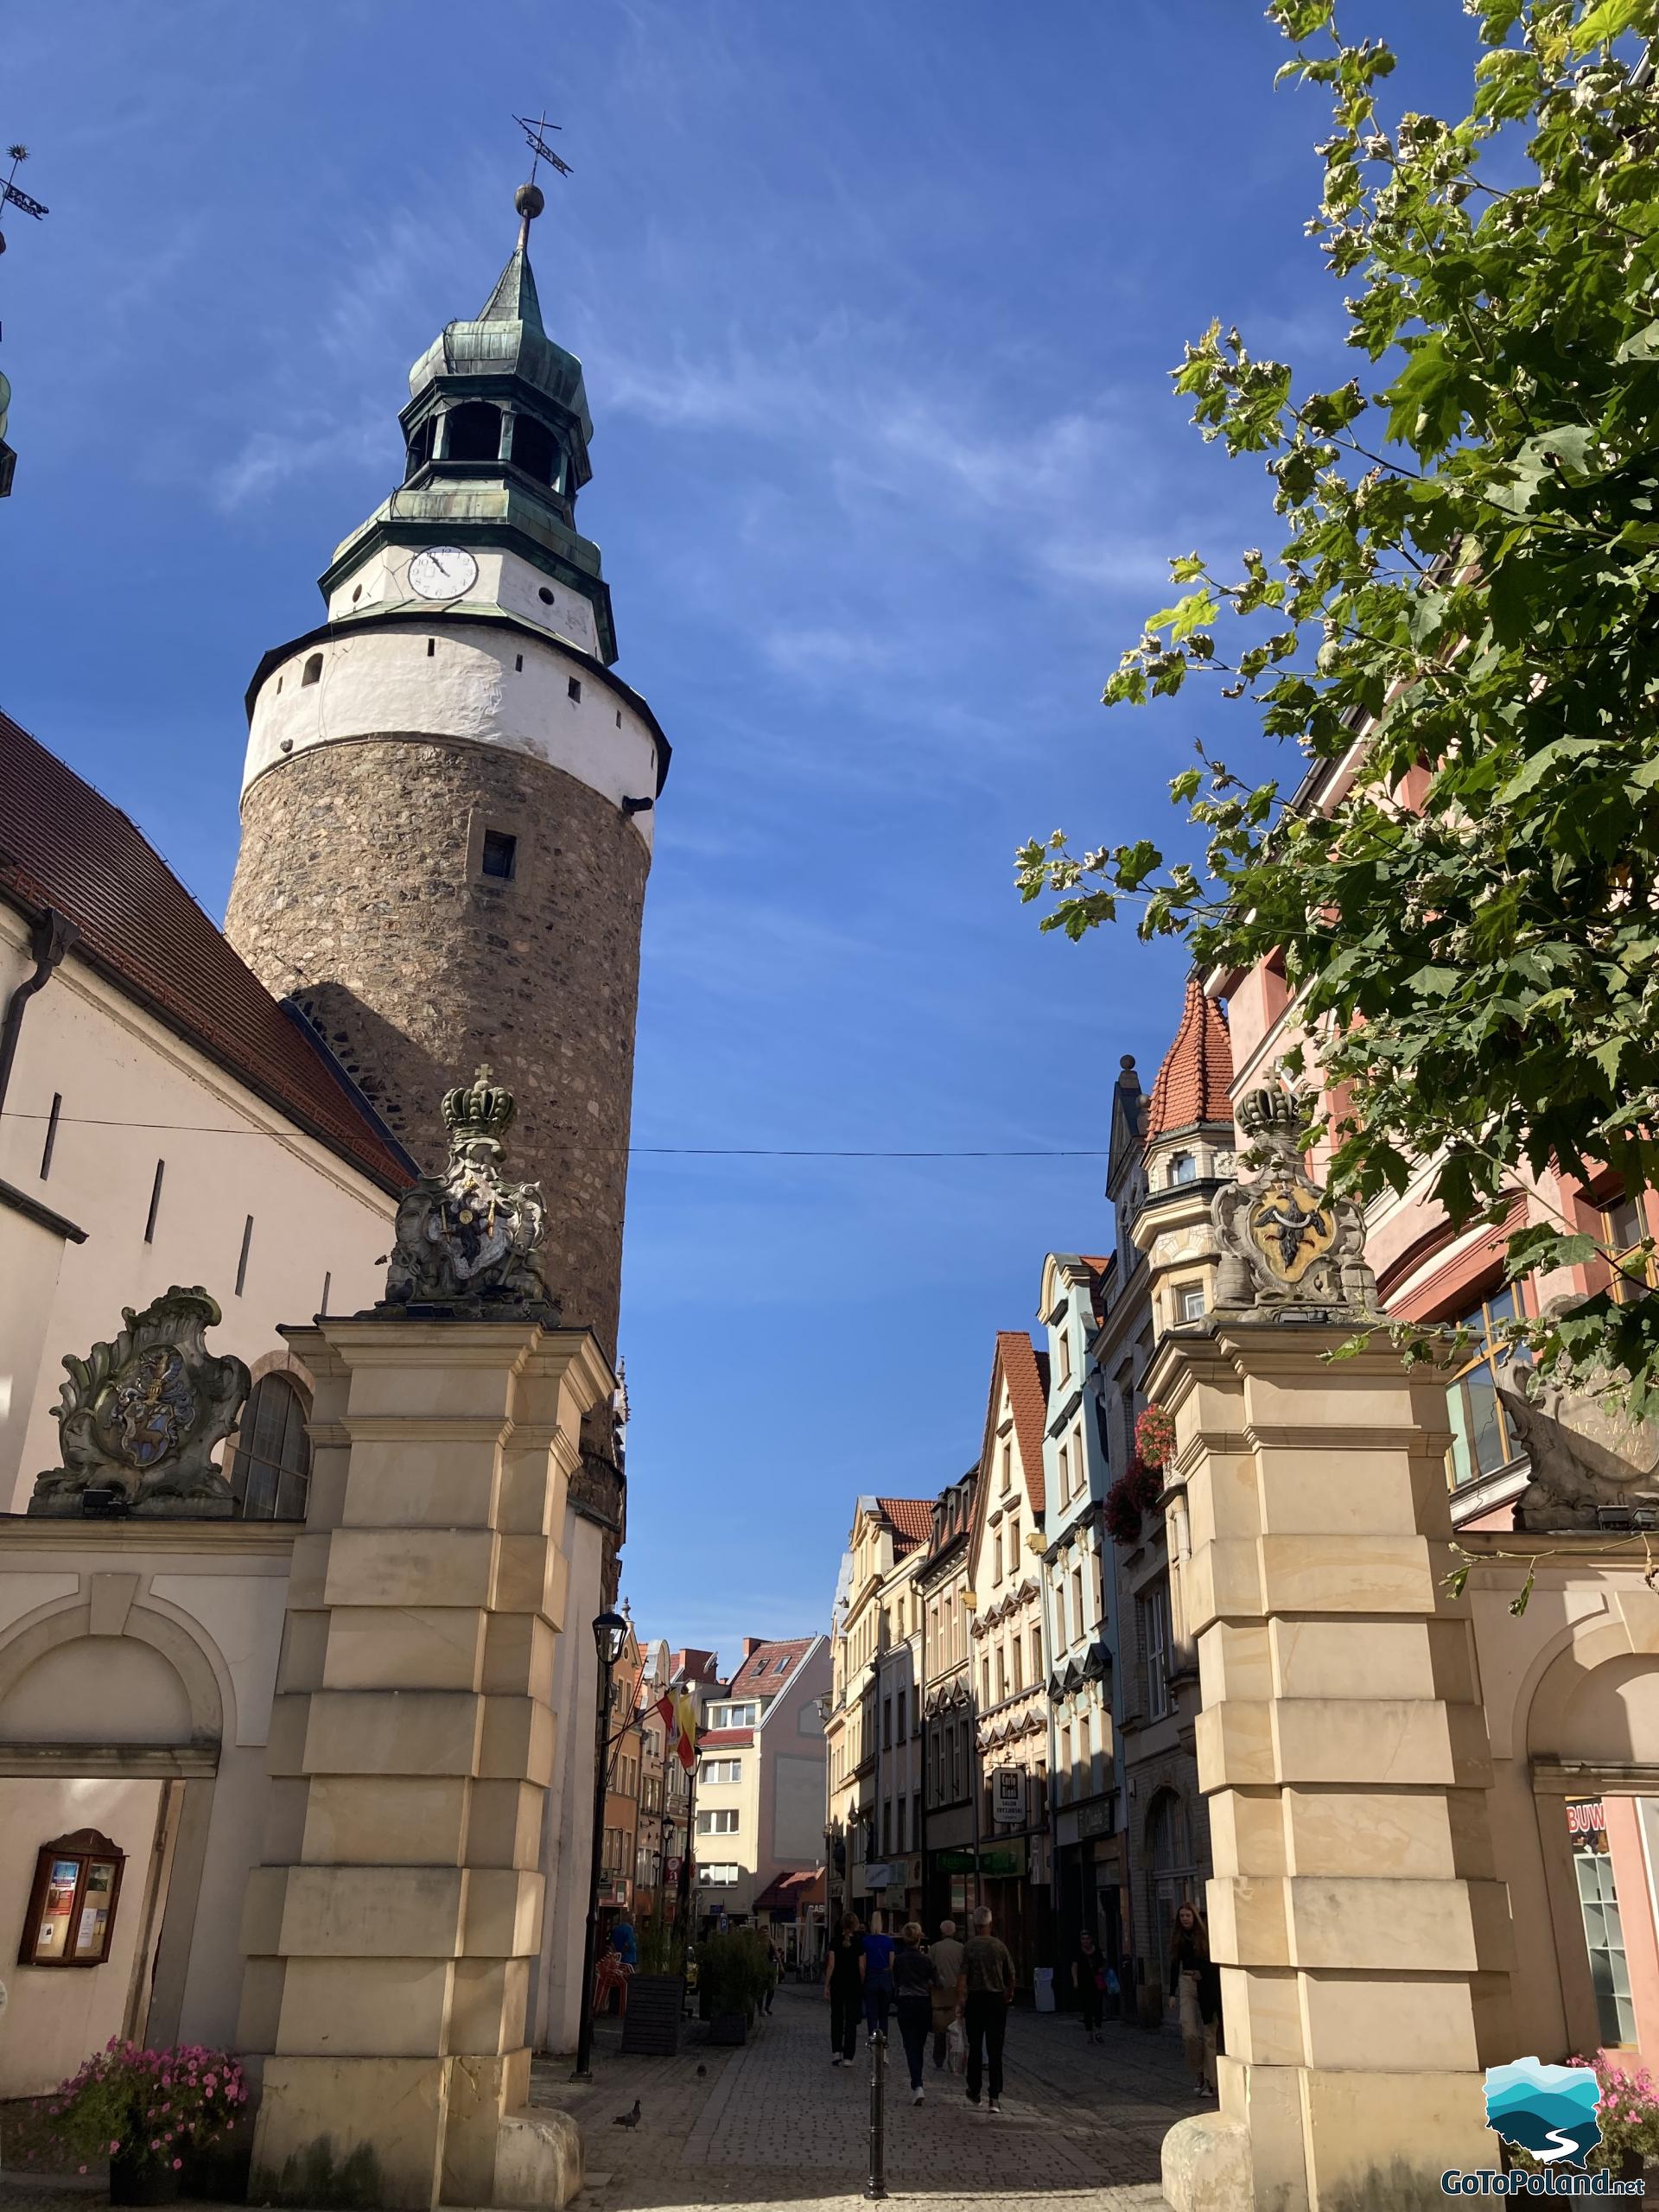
(985, 1990)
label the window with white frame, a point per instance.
(718, 1877)
(718, 1821)
(1184, 1168)
(1189, 1302)
(721, 1770)
(733, 1716)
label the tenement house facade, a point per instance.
(1080, 1616)
(951, 1802)
(1008, 1654)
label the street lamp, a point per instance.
(610, 1637)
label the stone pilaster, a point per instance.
(1363, 1940)
(389, 1935)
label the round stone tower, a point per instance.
(447, 807)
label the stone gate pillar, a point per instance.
(1364, 1941)
(389, 1935)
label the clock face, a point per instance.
(442, 572)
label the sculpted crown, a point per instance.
(482, 1110)
(1272, 1113)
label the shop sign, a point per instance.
(1004, 1862)
(1586, 1823)
(1008, 1797)
(878, 1877)
(1096, 1819)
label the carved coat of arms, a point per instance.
(143, 1415)
(1286, 1243)
(468, 1239)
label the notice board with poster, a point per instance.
(71, 1902)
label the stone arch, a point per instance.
(1598, 1674)
(107, 1612)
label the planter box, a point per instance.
(650, 2027)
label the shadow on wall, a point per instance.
(401, 1080)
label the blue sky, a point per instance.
(876, 305)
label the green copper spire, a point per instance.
(514, 297)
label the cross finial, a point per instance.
(530, 198)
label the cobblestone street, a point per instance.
(775, 2124)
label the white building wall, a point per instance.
(132, 1094)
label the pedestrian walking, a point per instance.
(947, 1956)
(879, 1947)
(985, 1990)
(1195, 1980)
(1089, 1980)
(775, 1974)
(915, 1978)
(843, 1985)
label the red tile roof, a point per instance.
(911, 1519)
(761, 1670)
(725, 1739)
(1025, 1370)
(63, 844)
(695, 1667)
(1196, 1075)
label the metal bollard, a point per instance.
(877, 2184)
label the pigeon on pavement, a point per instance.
(701, 2071)
(628, 2119)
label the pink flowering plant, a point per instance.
(1628, 2114)
(149, 2106)
(1628, 2117)
(1154, 1437)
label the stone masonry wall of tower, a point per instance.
(358, 891)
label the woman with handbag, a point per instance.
(1196, 1982)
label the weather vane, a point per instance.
(535, 136)
(530, 198)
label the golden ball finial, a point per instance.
(529, 199)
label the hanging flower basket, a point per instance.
(1154, 1437)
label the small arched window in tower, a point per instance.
(475, 432)
(534, 449)
(271, 1470)
(1183, 1168)
(313, 670)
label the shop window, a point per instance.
(1604, 1933)
(1482, 1441)
(1173, 1877)
(1623, 1232)
(270, 1472)
(71, 1904)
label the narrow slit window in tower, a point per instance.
(431, 648)
(313, 672)
(574, 686)
(499, 855)
(154, 1202)
(242, 1262)
(518, 663)
(47, 1148)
